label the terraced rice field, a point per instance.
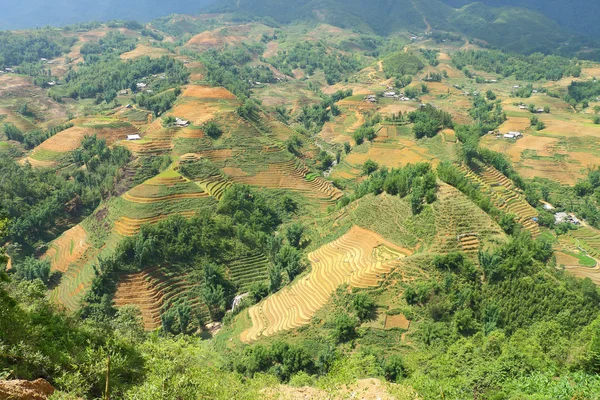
(148, 147)
(73, 285)
(288, 176)
(585, 272)
(587, 239)
(359, 258)
(68, 248)
(152, 290)
(504, 195)
(248, 270)
(150, 192)
(215, 186)
(460, 224)
(126, 226)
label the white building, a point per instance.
(133, 137)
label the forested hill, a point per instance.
(510, 28)
(580, 16)
(36, 13)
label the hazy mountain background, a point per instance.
(580, 16)
(35, 13)
(510, 28)
(514, 25)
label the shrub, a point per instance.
(344, 327)
(369, 167)
(212, 130)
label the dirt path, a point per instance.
(428, 29)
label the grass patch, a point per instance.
(47, 155)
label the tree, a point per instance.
(394, 369)
(363, 305)
(344, 327)
(258, 291)
(547, 109)
(294, 234)
(168, 121)
(369, 167)
(347, 147)
(31, 269)
(13, 133)
(490, 95)
(212, 130)
(275, 278)
(289, 260)
(326, 160)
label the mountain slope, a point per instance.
(35, 13)
(579, 16)
(510, 28)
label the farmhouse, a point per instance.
(371, 98)
(563, 217)
(141, 85)
(390, 95)
(523, 107)
(133, 137)
(181, 123)
(513, 135)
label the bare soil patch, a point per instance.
(143, 50)
(515, 124)
(65, 141)
(397, 321)
(207, 92)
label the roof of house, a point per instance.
(133, 137)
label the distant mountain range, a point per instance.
(516, 25)
(579, 16)
(36, 13)
(511, 28)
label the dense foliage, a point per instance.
(528, 68)
(35, 199)
(17, 48)
(229, 68)
(401, 64)
(105, 78)
(429, 120)
(310, 57)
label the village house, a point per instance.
(181, 123)
(371, 98)
(141, 85)
(563, 217)
(513, 135)
(133, 137)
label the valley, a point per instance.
(300, 206)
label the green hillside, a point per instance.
(513, 29)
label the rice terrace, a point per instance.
(321, 200)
